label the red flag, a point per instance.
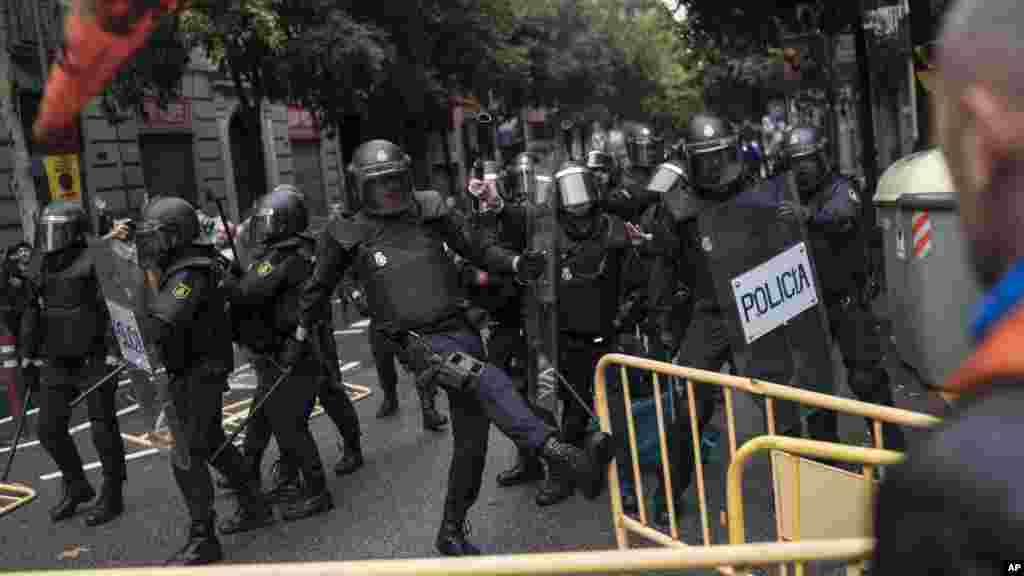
(100, 36)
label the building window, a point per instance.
(168, 165)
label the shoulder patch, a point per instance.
(182, 291)
(264, 269)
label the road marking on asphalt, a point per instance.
(350, 366)
(73, 430)
(350, 331)
(361, 324)
(96, 464)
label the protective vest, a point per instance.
(210, 342)
(72, 318)
(269, 311)
(588, 282)
(410, 282)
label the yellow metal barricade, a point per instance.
(13, 496)
(786, 468)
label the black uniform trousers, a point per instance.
(196, 421)
(331, 391)
(61, 380)
(855, 328)
(495, 400)
(383, 351)
(578, 360)
(284, 415)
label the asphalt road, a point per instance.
(389, 509)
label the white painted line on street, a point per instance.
(350, 331)
(11, 418)
(350, 366)
(242, 386)
(361, 324)
(95, 465)
(73, 430)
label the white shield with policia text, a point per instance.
(124, 289)
(766, 283)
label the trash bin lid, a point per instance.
(921, 173)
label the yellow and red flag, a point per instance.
(99, 37)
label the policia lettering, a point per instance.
(788, 285)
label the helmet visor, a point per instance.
(808, 173)
(646, 152)
(387, 193)
(712, 170)
(56, 234)
(265, 226)
(576, 191)
(542, 186)
(153, 241)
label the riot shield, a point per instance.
(768, 287)
(123, 285)
(542, 299)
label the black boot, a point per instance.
(557, 487)
(76, 493)
(312, 504)
(432, 419)
(351, 459)
(585, 467)
(527, 469)
(253, 512)
(286, 483)
(389, 407)
(110, 504)
(453, 540)
(202, 547)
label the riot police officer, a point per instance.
(263, 310)
(830, 208)
(67, 326)
(497, 199)
(646, 151)
(193, 339)
(396, 244)
(594, 248)
(716, 175)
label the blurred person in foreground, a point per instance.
(957, 505)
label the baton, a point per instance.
(17, 435)
(99, 384)
(248, 419)
(227, 227)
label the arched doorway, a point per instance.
(247, 159)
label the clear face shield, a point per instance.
(154, 241)
(669, 183)
(387, 193)
(265, 227)
(577, 194)
(56, 233)
(712, 169)
(808, 171)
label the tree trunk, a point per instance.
(21, 178)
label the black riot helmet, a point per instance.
(713, 154)
(169, 224)
(577, 191)
(669, 183)
(646, 149)
(279, 215)
(803, 151)
(381, 175)
(521, 178)
(62, 225)
(604, 168)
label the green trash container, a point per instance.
(932, 292)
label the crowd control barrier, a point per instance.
(804, 510)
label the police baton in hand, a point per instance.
(99, 384)
(219, 200)
(285, 373)
(17, 434)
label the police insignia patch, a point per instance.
(182, 291)
(264, 269)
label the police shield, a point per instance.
(542, 298)
(124, 289)
(767, 285)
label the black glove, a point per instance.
(292, 352)
(530, 265)
(793, 212)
